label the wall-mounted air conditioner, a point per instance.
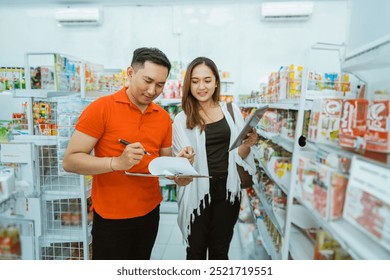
(282, 11)
(79, 16)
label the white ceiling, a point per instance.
(132, 2)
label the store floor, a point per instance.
(169, 244)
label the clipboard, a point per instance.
(250, 123)
(165, 176)
(168, 167)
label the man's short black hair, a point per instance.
(154, 55)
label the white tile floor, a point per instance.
(170, 246)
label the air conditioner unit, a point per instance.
(79, 16)
(283, 11)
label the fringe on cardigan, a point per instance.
(207, 198)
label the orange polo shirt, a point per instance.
(113, 117)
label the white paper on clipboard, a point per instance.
(170, 167)
(250, 123)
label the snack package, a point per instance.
(353, 123)
(325, 121)
(329, 192)
(327, 248)
(283, 82)
(378, 125)
(294, 81)
(306, 175)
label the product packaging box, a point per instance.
(325, 121)
(283, 82)
(294, 81)
(353, 123)
(378, 126)
(329, 192)
(270, 122)
(327, 248)
(280, 167)
(307, 172)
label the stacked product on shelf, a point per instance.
(111, 80)
(286, 84)
(12, 78)
(10, 244)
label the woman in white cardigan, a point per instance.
(209, 208)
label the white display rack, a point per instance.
(268, 209)
(262, 229)
(301, 247)
(61, 209)
(295, 243)
(268, 243)
(65, 206)
(281, 140)
(40, 93)
(65, 249)
(284, 104)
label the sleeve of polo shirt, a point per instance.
(167, 142)
(92, 120)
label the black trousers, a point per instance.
(212, 230)
(124, 239)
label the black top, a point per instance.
(217, 145)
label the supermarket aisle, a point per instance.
(169, 244)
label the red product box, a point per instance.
(353, 123)
(329, 192)
(378, 125)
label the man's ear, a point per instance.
(130, 71)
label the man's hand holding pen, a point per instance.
(124, 142)
(131, 155)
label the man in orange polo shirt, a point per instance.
(126, 208)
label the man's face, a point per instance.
(147, 83)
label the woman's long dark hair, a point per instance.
(189, 103)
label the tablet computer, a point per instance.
(250, 123)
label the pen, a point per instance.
(124, 142)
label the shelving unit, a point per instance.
(295, 244)
(58, 202)
(370, 58)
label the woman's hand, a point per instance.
(247, 143)
(182, 181)
(188, 153)
(251, 139)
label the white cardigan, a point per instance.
(190, 197)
